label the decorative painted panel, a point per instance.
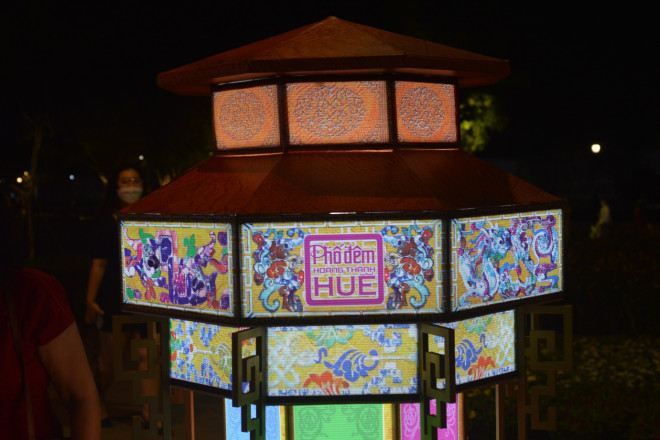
(426, 112)
(505, 257)
(485, 346)
(360, 421)
(201, 353)
(341, 268)
(337, 112)
(177, 267)
(246, 118)
(342, 360)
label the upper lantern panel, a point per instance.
(371, 112)
(246, 118)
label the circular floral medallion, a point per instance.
(421, 111)
(330, 111)
(242, 116)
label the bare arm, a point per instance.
(96, 273)
(66, 364)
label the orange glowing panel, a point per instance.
(337, 112)
(246, 118)
(426, 112)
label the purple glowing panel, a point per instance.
(410, 423)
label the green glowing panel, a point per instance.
(177, 268)
(326, 269)
(341, 422)
(502, 258)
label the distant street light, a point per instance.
(595, 148)
(141, 157)
(72, 177)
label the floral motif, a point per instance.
(478, 370)
(329, 384)
(330, 111)
(242, 116)
(421, 111)
(278, 269)
(410, 266)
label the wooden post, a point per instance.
(189, 410)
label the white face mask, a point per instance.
(129, 194)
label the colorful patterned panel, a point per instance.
(201, 353)
(178, 267)
(246, 118)
(275, 423)
(337, 112)
(342, 360)
(485, 346)
(505, 258)
(410, 423)
(426, 112)
(341, 422)
(341, 268)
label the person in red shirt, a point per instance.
(52, 352)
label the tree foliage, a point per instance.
(481, 118)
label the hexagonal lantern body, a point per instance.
(338, 208)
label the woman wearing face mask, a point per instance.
(104, 285)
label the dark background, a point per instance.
(581, 74)
(85, 72)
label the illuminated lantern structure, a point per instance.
(338, 247)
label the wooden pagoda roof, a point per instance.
(334, 46)
(320, 181)
(317, 182)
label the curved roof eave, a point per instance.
(334, 46)
(320, 182)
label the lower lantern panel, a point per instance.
(342, 360)
(341, 422)
(357, 360)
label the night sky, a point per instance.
(580, 74)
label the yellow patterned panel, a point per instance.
(201, 353)
(341, 268)
(178, 267)
(505, 258)
(342, 360)
(485, 346)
